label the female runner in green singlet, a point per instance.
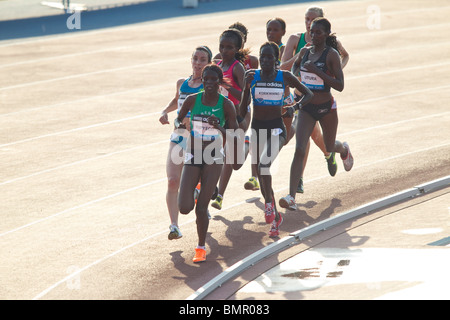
(174, 163)
(204, 154)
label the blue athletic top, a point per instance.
(268, 93)
(186, 90)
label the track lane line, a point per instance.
(166, 141)
(71, 164)
(158, 113)
(80, 75)
(165, 179)
(100, 96)
(83, 205)
(96, 125)
(164, 42)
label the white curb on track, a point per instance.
(301, 234)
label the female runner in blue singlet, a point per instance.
(267, 87)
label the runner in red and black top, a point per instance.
(233, 57)
(251, 62)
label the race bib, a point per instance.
(289, 100)
(269, 94)
(223, 91)
(202, 129)
(180, 101)
(312, 80)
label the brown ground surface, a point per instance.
(83, 154)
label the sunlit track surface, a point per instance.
(83, 154)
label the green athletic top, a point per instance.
(301, 43)
(200, 128)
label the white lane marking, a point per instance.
(79, 129)
(395, 95)
(157, 113)
(101, 96)
(422, 231)
(79, 271)
(287, 147)
(168, 84)
(412, 68)
(72, 55)
(63, 166)
(396, 123)
(165, 141)
(190, 40)
(80, 75)
(223, 209)
(84, 205)
(159, 62)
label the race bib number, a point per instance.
(270, 96)
(202, 129)
(312, 80)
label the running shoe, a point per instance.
(348, 161)
(269, 212)
(200, 255)
(288, 202)
(218, 202)
(197, 191)
(216, 192)
(300, 186)
(332, 164)
(174, 233)
(274, 229)
(251, 184)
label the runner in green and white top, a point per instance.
(204, 153)
(185, 86)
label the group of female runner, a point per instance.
(215, 101)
